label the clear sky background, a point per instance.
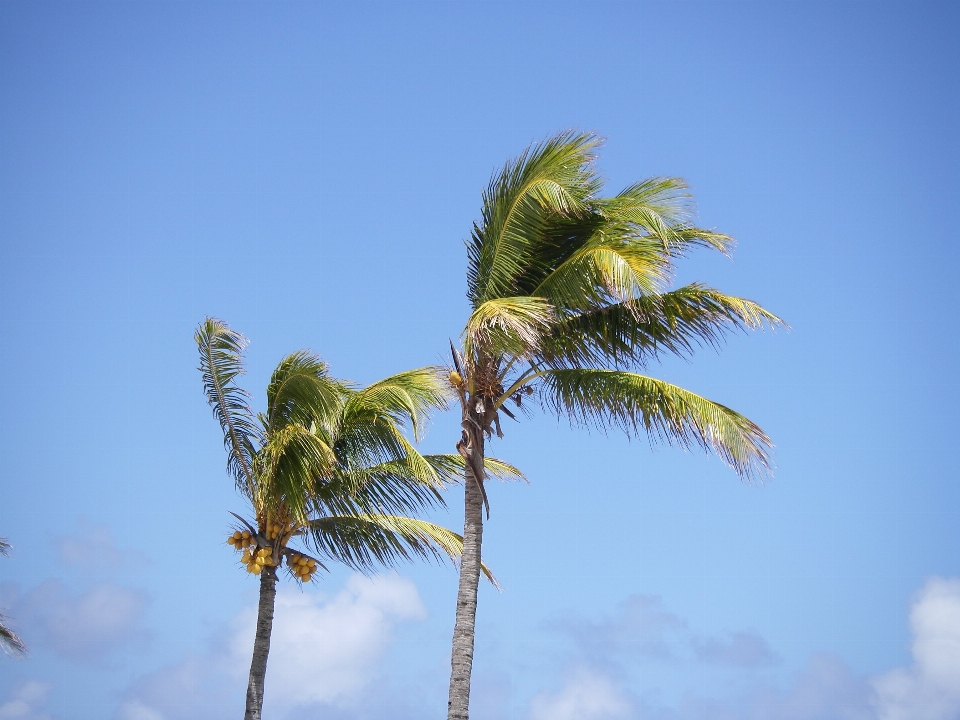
(308, 173)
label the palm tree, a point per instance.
(327, 464)
(9, 640)
(570, 297)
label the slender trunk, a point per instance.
(461, 660)
(261, 643)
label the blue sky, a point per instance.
(308, 173)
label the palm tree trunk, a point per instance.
(261, 643)
(461, 660)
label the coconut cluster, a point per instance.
(301, 566)
(257, 560)
(241, 540)
(274, 530)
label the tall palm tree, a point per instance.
(10, 642)
(570, 296)
(326, 465)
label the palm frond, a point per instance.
(302, 391)
(662, 208)
(666, 412)
(289, 465)
(611, 267)
(675, 322)
(221, 362)
(552, 178)
(454, 466)
(10, 642)
(513, 326)
(401, 398)
(364, 541)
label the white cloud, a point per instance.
(587, 695)
(323, 650)
(27, 703)
(87, 626)
(930, 688)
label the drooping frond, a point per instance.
(288, 468)
(302, 391)
(661, 208)
(10, 642)
(402, 398)
(391, 487)
(552, 178)
(221, 362)
(674, 322)
(454, 466)
(666, 412)
(611, 267)
(364, 541)
(513, 326)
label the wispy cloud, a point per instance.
(27, 703)
(742, 649)
(640, 626)
(82, 626)
(92, 549)
(826, 689)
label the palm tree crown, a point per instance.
(569, 294)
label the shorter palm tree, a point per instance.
(328, 466)
(9, 640)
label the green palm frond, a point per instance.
(632, 333)
(302, 391)
(552, 178)
(288, 465)
(666, 412)
(4, 547)
(668, 198)
(221, 362)
(390, 487)
(514, 325)
(401, 398)
(663, 209)
(454, 466)
(611, 267)
(364, 541)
